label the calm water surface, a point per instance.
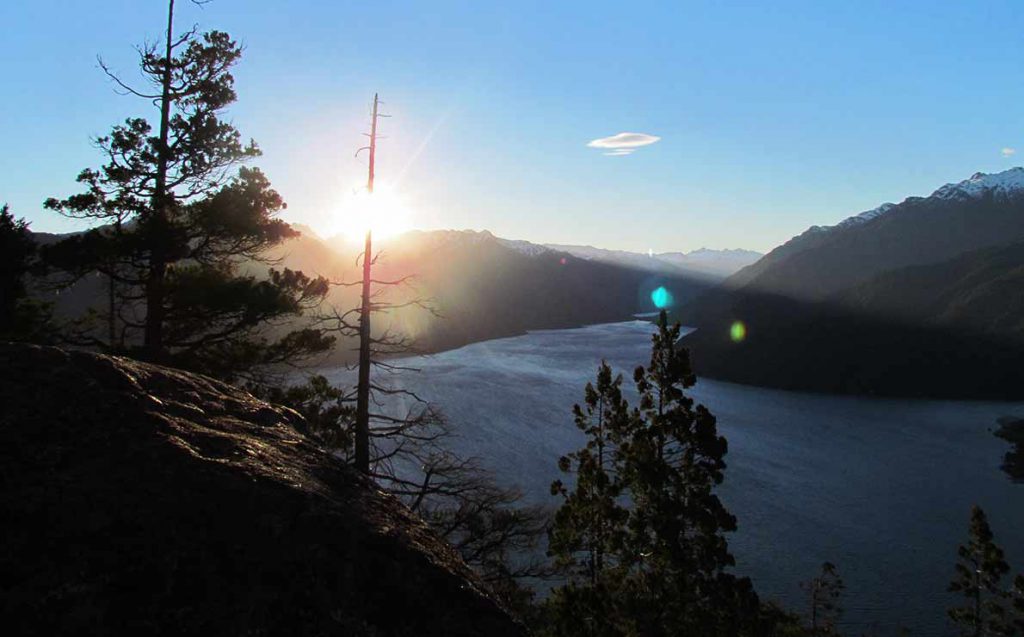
(882, 488)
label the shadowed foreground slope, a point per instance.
(138, 499)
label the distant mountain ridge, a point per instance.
(487, 287)
(982, 211)
(481, 287)
(920, 298)
(704, 261)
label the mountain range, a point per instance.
(481, 286)
(712, 264)
(478, 286)
(919, 298)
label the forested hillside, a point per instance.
(916, 299)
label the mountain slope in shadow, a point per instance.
(922, 298)
(819, 346)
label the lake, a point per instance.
(880, 487)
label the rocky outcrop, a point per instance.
(136, 499)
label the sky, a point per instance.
(749, 121)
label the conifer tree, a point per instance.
(672, 461)
(588, 529)
(979, 572)
(1016, 623)
(670, 556)
(591, 521)
(16, 249)
(186, 217)
(824, 593)
(21, 317)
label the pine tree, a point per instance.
(21, 317)
(648, 524)
(979, 571)
(824, 593)
(588, 528)
(16, 249)
(181, 221)
(673, 458)
(1016, 623)
(591, 521)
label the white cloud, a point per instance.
(623, 143)
(1008, 152)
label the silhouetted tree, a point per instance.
(22, 318)
(980, 569)
(673, 458)
(591, 520)
(824, 593)
(1016, 595)
(671, 554)
(588, 528)
(180, 222)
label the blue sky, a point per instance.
(771, 116)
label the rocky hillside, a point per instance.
(137, 499)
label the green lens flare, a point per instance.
(662, 298)
(738, 331)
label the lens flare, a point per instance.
(738, 332)
(661, 298)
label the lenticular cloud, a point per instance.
(623, 143)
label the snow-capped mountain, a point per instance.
(864, 217)
(916, 229)
(721, 263)
(524, 247)
(1003, 184)
(855, 220)
(1009, 182)
(897, 300)
(981, 211)
(621, 257)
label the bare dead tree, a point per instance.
(362, 435)
(409, 445)
(410, 458)
(402, 441)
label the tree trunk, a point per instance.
(111, 314)
(362, 438)
(154, 336)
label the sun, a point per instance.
(385, 212)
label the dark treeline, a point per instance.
(823, 346)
